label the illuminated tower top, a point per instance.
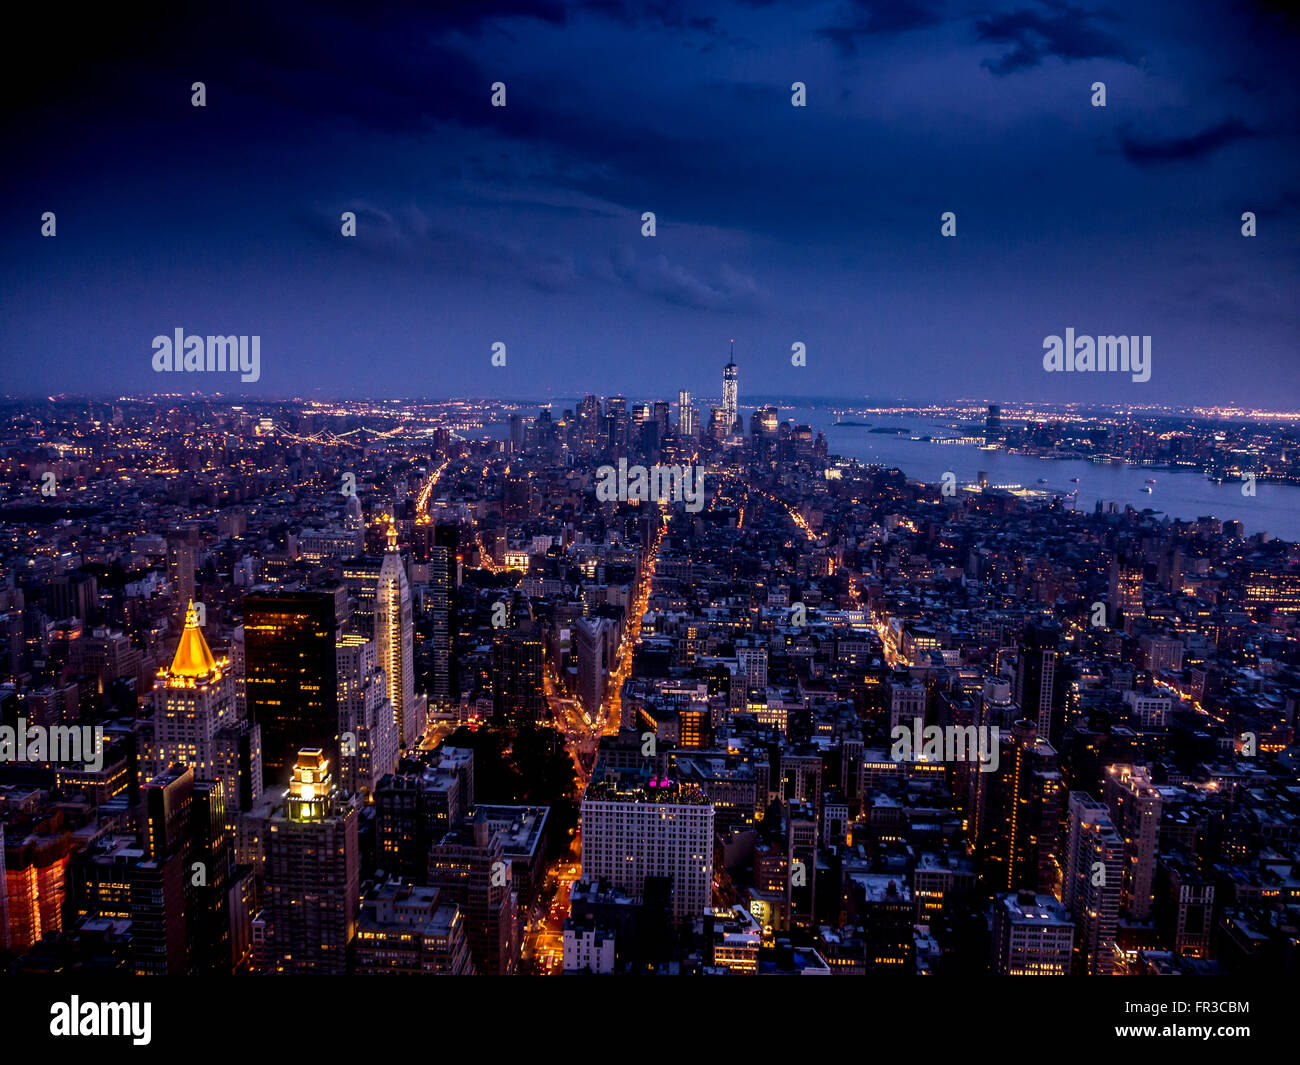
(730, 390)
(193, 658)
(311, 786)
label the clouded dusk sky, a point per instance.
(775, 223)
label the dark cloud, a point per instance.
(1062, 31)
(407, 237)
(872, 18)
(1162, 151)
(797, 221)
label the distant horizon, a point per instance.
(1220, 410)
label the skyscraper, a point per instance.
(1021, 813)
(1126, 598)
(312, 873)
(180, 906)
(730, 393)
(1040, 683)
(685, 415)
(395, 636)
(589, 653)
(193, 699)
(1091, 883)
(517, 694)
(291, 672)
(443, 682)
(1135, 804)
(367, 724)
(180, 569)
(993, 421)
(468, 866)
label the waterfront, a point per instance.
(1183, 494)
(1180, 494)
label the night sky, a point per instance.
(776, 224)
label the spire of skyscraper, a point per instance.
(730, 391)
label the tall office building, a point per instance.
(1092, 879)
(394, 634)
(291, 673)
(442, 682)
(368, 745)
(1126, 576)
(1135, 803)
(1021, 814)
(589, 651)
(685, 416)
(1040, 677)
(468, 866)
(994, 709)
(312, 873)
(517, 692)
(730, 392)
(993, 421)
(180, 904)
(361, 578)
(631, 832)
(801, 850)
(197, 722)
(193, 698)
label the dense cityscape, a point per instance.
(630, 687)
(629, 488)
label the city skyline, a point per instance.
(625, 488)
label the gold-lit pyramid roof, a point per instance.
(193, 659)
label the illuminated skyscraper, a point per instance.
(730, 393)
(517, 694)
(395, 635)
(1135, 804)
(312, 873)
(367, 725)
(442, 680)
(589, 653)
(1021, 814)
(1091, 883)
(685, 415)
(193, 698)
